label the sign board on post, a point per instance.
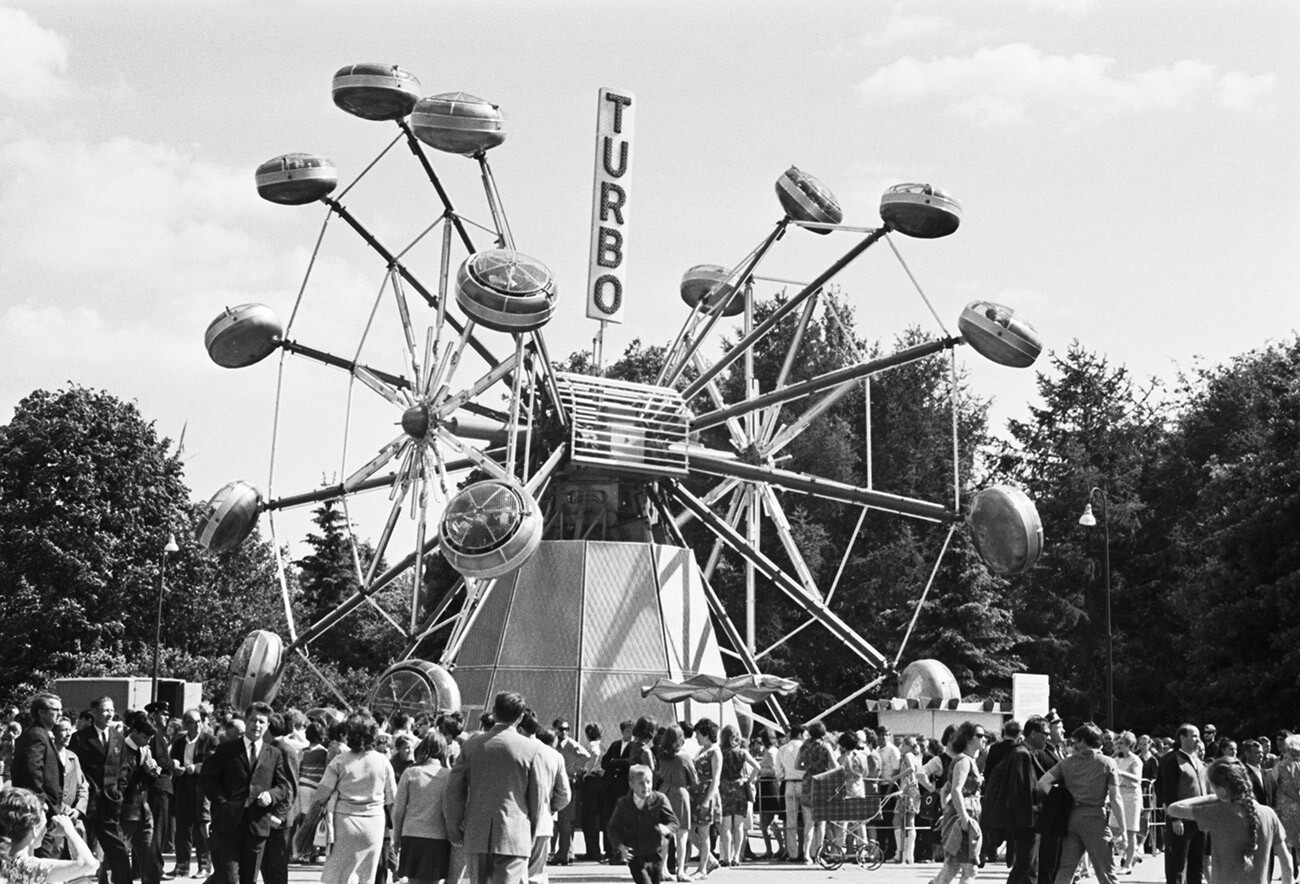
(608, 264)
(1030, 695)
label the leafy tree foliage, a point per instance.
(328, 575)
(88, 493)
(1235, 451)
(1094, 428)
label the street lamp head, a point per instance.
(1088, 520)
(171, 546)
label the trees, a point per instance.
(88, 494)
(1234, 455)
(1093, 428)
(327, 576)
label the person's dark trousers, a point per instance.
(275, 857)
(564, 820)
(593, 796)
(140, 835)
(191, 827)
(163, 827)
(1184, 854)
(646, 870)
(106, 834)
(1049, 857)
(888, 843)
(1022, 846)
(990, 843)
(235, 859)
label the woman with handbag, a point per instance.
(1091, 779)
(959, 829)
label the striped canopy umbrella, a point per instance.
(703, 688)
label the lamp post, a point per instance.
(170, 547)
(1088, 520)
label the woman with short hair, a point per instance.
(706, 806)
(22, 827)
(959, 829)
(418, 825)
(1244, 835)
(675, 778)
(738, 772)
(1090, 776)
(364, 783)
(1128, 771)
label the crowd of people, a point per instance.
(235, 795)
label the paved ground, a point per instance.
(1151, 871)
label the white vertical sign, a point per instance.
(607, 272)
(1030, 695)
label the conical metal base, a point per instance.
(583, 625)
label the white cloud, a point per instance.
(1002, 85)
(1073, 8)
(33, 60)
(902, 28)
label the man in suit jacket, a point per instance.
(1182, 775)
(555, 790)
(245, 779)
(161, 789)
(99, 749)
(495, 796)
(1046, 758)
(994, 835)
(615, 765)
(188, 752)
(1011, 801)
(135, 779)
(38, 765)
(275, 861)
(1252, 754)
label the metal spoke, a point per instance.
(387, 453)
(447, 406)
(809, 603)
(720, 463)
(371, 380)
(773, 507)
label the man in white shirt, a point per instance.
(791, 780)
(890, 763)
(575, 759)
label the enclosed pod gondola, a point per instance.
(708, 283)
(295, 179)
(920, 210)
(376, 91)
(243, 336)
(804, 198)
(457, 122)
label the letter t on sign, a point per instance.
(610, 201)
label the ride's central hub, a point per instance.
(415, 421)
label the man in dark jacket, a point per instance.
(1011, 801)
(245, 779)
(38, 766)
(994, 836)
(99, 749)
(160, 790)
(135, 780)
(1046, 758)
(1182, 775)
(641, 821)
(188, 752)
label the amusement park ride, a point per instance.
(577, 585)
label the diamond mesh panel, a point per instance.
(622, 626)
(484, 639)
(611, 697)
(551, 693)
(546, 617)
(474, 685)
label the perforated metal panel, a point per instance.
(623, 629)
(627, 427)
(546, 618)
(484, 639)
(611, 697)
(551, 693)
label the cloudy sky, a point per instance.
(1128, 172)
